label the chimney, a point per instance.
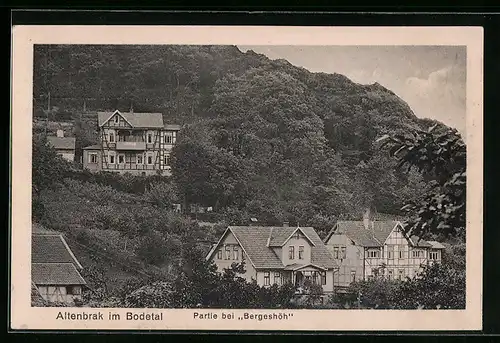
(60, 133)
(366, 219)
(285, 224)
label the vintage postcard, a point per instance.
(246, 178)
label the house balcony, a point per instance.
(130, 145)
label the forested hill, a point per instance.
(269, 138)
(181, 82)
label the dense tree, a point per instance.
(440, 154)
(437, 286)
(264, 136)
(48, 168)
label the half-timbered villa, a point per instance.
(276, 255)
(365, 249)
(137, 143)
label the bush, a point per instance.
(437, 286)
(156, 295)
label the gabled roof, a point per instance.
(374, 236)
(298, 266)
(382, 229)
(253, 240)
(356, 231)
(55, 274)
(51, 248)
(62, 143)
(278, 238)
(137, 120)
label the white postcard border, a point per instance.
(23, 316)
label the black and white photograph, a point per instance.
(249, 177)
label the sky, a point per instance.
(431, 79)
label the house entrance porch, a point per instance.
(303, 276)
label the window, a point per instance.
(219, 254)
(169, 138)
(301, 252)
(117, 119)
(111, 137)
(139, 159)
(323, 278)
(390, 252)
(297, 234)
(166, 160)
(401, 251)
(291, 252)
(150, 159)
(150, 138)
(121, 158)
(277, 278)
(93, 158)
(417, 253)
(389, 274)
(336, 253)
(266, 278)
(433, 255)
(228, 252)
(374, 253)
(342, 253)
(353, 276)
(236, 253)
(315, 278)
(111, 158)
(401, 274)
(73, 290)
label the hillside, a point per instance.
(179, 81)
(260, 139)
(275, 125)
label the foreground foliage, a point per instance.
(440, 155)
(438, 286)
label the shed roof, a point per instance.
(436, 245)
(62, 143)
(55, 274)
(93, 147)
(172, 127)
